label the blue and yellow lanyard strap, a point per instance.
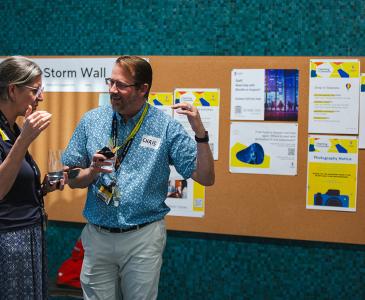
(122, 150)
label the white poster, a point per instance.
(263, 148)
(362, 114)
(75, 74)
(185, 197)
(247, 94)
(264, 94)
(207, 101)
(334, 96)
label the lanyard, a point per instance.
(8, 134)
(122, 150)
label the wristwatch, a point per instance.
(205, 139)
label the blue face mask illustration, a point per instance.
(253, 154)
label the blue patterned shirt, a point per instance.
(142, 178)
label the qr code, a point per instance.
(291, 151)
(198, 203)
(238, 110)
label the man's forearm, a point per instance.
(83, 180)
(204, 173)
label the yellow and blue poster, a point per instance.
(362, 113)
(162, 101)
(207, 101)
(332, 172)
(334, 96)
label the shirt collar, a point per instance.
(134, 119)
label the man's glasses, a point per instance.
(38, 90)
(119, 85)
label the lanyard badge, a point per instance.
(105, 187)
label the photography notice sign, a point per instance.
(332, 172)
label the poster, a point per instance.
(362, 114)
(185, 197)
(332, 172)
(207, 101)
(263, 148)
(104, 99)
(162, 101)
(334, 96)
(264, 94)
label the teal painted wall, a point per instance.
(182, 27)
(216, 267)
(201, 266)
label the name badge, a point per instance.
(150, 142)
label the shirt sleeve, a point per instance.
(182, 151)
(75, 154)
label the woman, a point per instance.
(22, 217)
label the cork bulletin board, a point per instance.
(238, 204)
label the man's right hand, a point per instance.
(88, 175)
(98, 162)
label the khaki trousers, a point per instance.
(122, 265)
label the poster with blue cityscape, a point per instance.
(281, 95)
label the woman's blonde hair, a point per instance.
(17, 70)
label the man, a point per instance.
(125, 235)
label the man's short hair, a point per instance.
(138, 68)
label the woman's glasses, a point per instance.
(38, 90)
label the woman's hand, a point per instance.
(51, 186)
(34, 124)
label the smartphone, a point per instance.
(106, 152)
